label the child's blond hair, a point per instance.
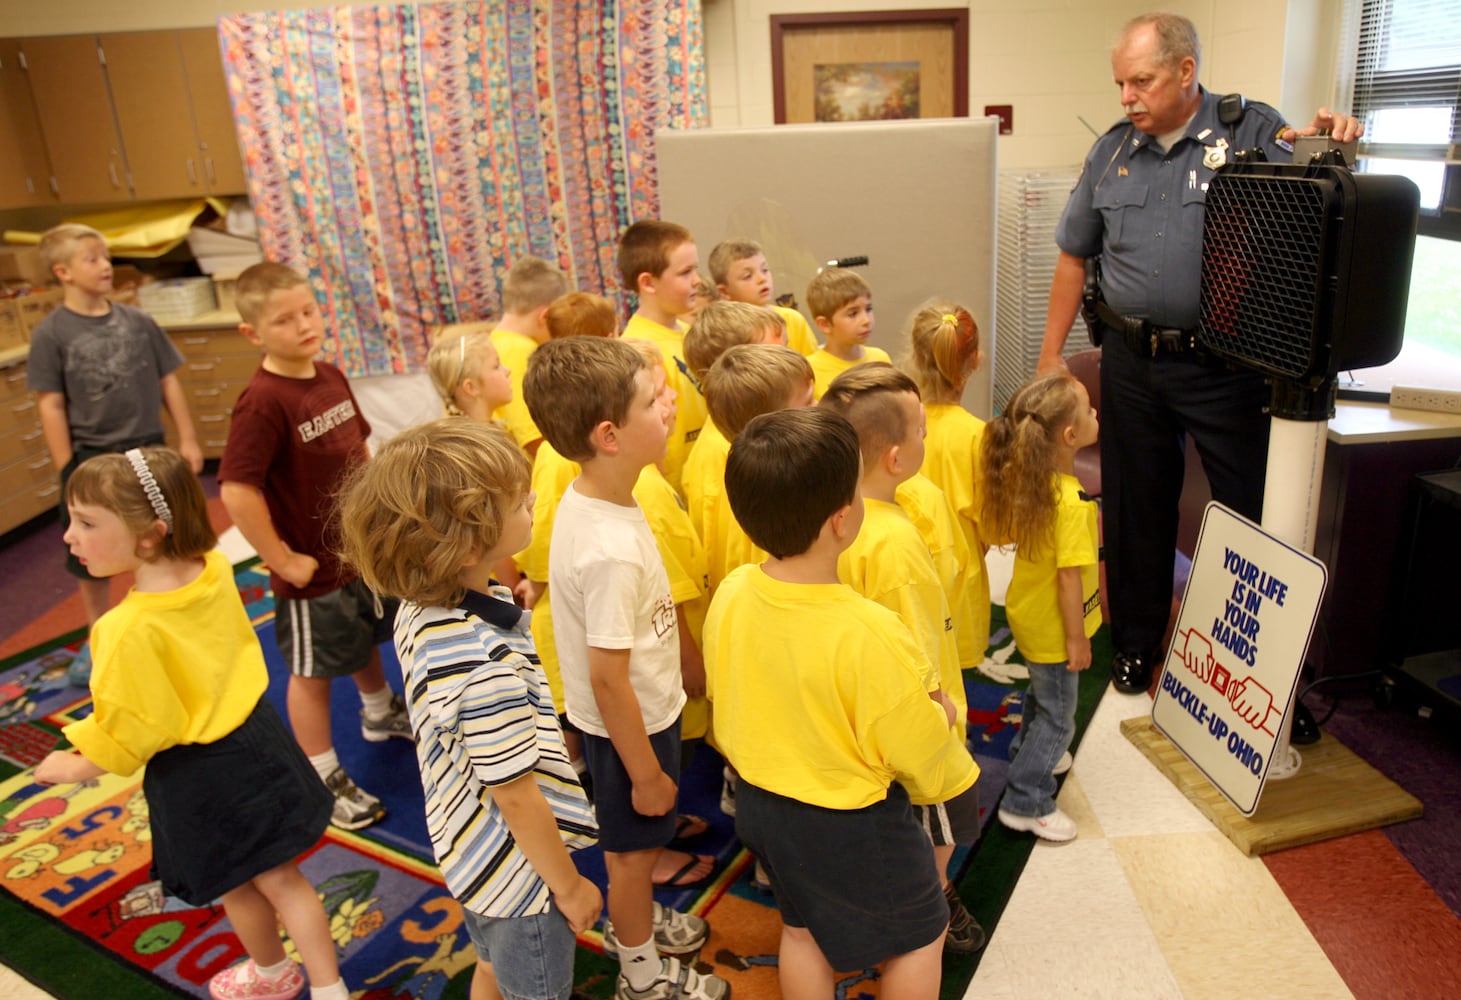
(729, 252)
(433, 498)
(581, 314)
(832, 288)
(1018, 462)
(867, 396)
(58, 244)
(574, 384)
(751, 379)
(645, 248)
(456, 356)
(722, 325)
(531, 283)
(257, 283)
(943, 349)
(115, 483)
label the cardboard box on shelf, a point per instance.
(37, 306)
(12, 333)
(21, 263)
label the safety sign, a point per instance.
(1235, 656)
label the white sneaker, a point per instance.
(1056, 827)
(1063, 764)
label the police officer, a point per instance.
(1139, 205)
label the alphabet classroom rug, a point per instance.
(80, 917)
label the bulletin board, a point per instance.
(917, 198)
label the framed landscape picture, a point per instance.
(870, 65)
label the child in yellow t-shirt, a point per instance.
(530, 286)
(943, 352)
(1033, 499)
(820, 705)
(842, 307)
(746, 381)
(658, 262)
(889, 563)
(740, 272)
(467, 372)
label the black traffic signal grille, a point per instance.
(1262, 267)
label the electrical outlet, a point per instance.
(1425, 397)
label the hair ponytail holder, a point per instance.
(150, 487)
(950, 319)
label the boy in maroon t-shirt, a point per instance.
(296, 433)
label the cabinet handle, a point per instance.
(200, 393)
(39, 464)
(14, 377)
(42, 494)
(212, 418)
(33, 435)
(212, 176)
(112, 169)
(192, 172)
(29, 404)
(193, 340)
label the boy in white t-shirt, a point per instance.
(618, 644)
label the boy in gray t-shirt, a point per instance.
(101, 372)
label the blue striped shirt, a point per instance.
(482, 716)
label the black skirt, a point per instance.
(226, 811)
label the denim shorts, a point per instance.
(532, 957)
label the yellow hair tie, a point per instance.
(951, 319)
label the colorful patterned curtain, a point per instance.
(405, 156)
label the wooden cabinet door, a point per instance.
(150, 95)
(75, 112)
(223, 170)
(25, 172)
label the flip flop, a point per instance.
(689, 827)
(684, 877)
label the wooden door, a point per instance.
(25, 172)
(75, 112)
(150, 94)
(223, 170)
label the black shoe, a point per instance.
(965, 936)
(1132, 674)
(1304, 730)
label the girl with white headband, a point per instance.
(178, 684)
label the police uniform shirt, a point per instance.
(1142, 208)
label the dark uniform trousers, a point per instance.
(1148, 407)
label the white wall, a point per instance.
(1050, 59)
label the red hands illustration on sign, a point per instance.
(1252, 701)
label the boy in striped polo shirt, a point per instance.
(425, 521)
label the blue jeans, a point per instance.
(1045, 734)
(532, 957)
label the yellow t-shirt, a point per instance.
(684, 559)
(1033, 603)
(826, 367)
(551, 475)
(951, 461)
(726, 544)
(818, 696)
(514, 349)
(889, 563)
(182, 666)
(938, 525)
(799, 336)
(691, 413)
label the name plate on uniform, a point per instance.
(1230, 672)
